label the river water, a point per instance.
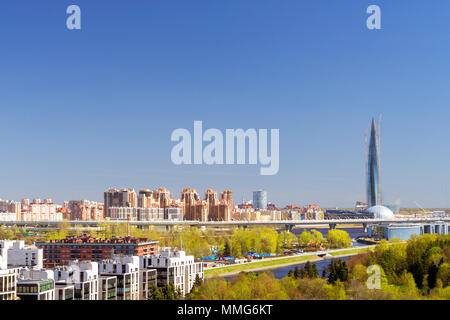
(282, 272)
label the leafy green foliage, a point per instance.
(338, 239)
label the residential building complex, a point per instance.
(85, 210)
(34, 284)
(82, 275)
(20, 255)
(126, 270)
(8, 277)
(119, 198)
(85, 247)
(173, 266)
(120, 277)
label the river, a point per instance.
(282, 272)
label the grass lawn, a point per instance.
(349, 251)
(256, 265)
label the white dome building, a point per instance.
(381, 212)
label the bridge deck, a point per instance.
(233, 223)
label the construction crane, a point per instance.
(425, 212)
(128, 224)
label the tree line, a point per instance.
(417, 269)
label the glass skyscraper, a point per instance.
(373, 169)
(260, 200)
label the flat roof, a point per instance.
(96, 243)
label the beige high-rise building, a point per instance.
(122, 198)
(227, 196)
(194, 208)
(212, 201)
(165, 197)
(161, 198)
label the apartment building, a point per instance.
(85, 210)
(8, 277)
(146, 214)
(36, 284)
(174, 266)
(119, 198)
(107, 287)
(85, 247)
(8, 281)
(20, 255)
(126, 270)
(147, 278)
(40, 211)
(83, 275)
(64, 291)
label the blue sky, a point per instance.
(86, 110)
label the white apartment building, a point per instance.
(3, 258)
(107, 288)
(126, 269)
(174, 266)
(8, 277)
(8, 284)
(20, 255)
(83, 275)
(36, 284)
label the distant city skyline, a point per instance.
(89, 109)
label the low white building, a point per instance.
(83, 275)
(36, 284)
(174, 266)
(20, 255)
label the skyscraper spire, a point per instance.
(373, 169)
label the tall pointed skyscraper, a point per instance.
(373, 169)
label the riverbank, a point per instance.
(279, 262)
(322, 226)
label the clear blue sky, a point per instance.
(86, 110)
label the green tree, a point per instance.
(155, 293)
(432, 275)
(338, 271)
(336, 291)
(317, 237)
(444, 274)
(287, 238)
(305, 238)
(338, 239)
(226, 248)
(359, 273)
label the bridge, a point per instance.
(288, 224)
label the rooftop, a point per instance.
(86, 238)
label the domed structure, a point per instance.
(381, 212)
